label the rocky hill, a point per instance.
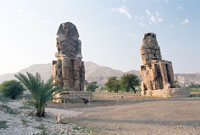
(95, 72)
(43, 69)
(99, 73)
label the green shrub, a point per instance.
(91, 86)
(129, 82)
(11, 89)
(3, 125)
(112, 84)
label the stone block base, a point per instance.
(74, 96)
(171, 92)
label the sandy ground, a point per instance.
(141, 116)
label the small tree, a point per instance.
(112, 84)
(129, 82)
(11, 89)
(91, 86)
(40, 91)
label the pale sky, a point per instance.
(111, 31)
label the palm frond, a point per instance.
(24, 80)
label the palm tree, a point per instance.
(40, 91)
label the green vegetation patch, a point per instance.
(195, 89)
(3, 99)
(127, 83)
(43, 128)
(11, 89)
(7, 109)
(25, 107)
(39, 119)
(3, 125)
(25, 122)
(90, 130)
(91, 86)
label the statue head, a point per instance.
(68, 30)
(150, 38)
(68, 43)
(150, 49)
(149, 35)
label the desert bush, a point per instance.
(11, 89)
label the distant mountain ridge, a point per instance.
(95, 72)
(43, 69)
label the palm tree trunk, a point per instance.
(40, 111)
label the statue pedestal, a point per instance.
(171, 92)
(74, 97)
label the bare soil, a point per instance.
(130, 114)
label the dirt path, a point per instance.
(146, 117)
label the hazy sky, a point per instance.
(110, 30)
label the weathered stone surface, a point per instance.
(69, 70)
(157, 74)
(171, 92)
(75, 96)
(67, 40)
